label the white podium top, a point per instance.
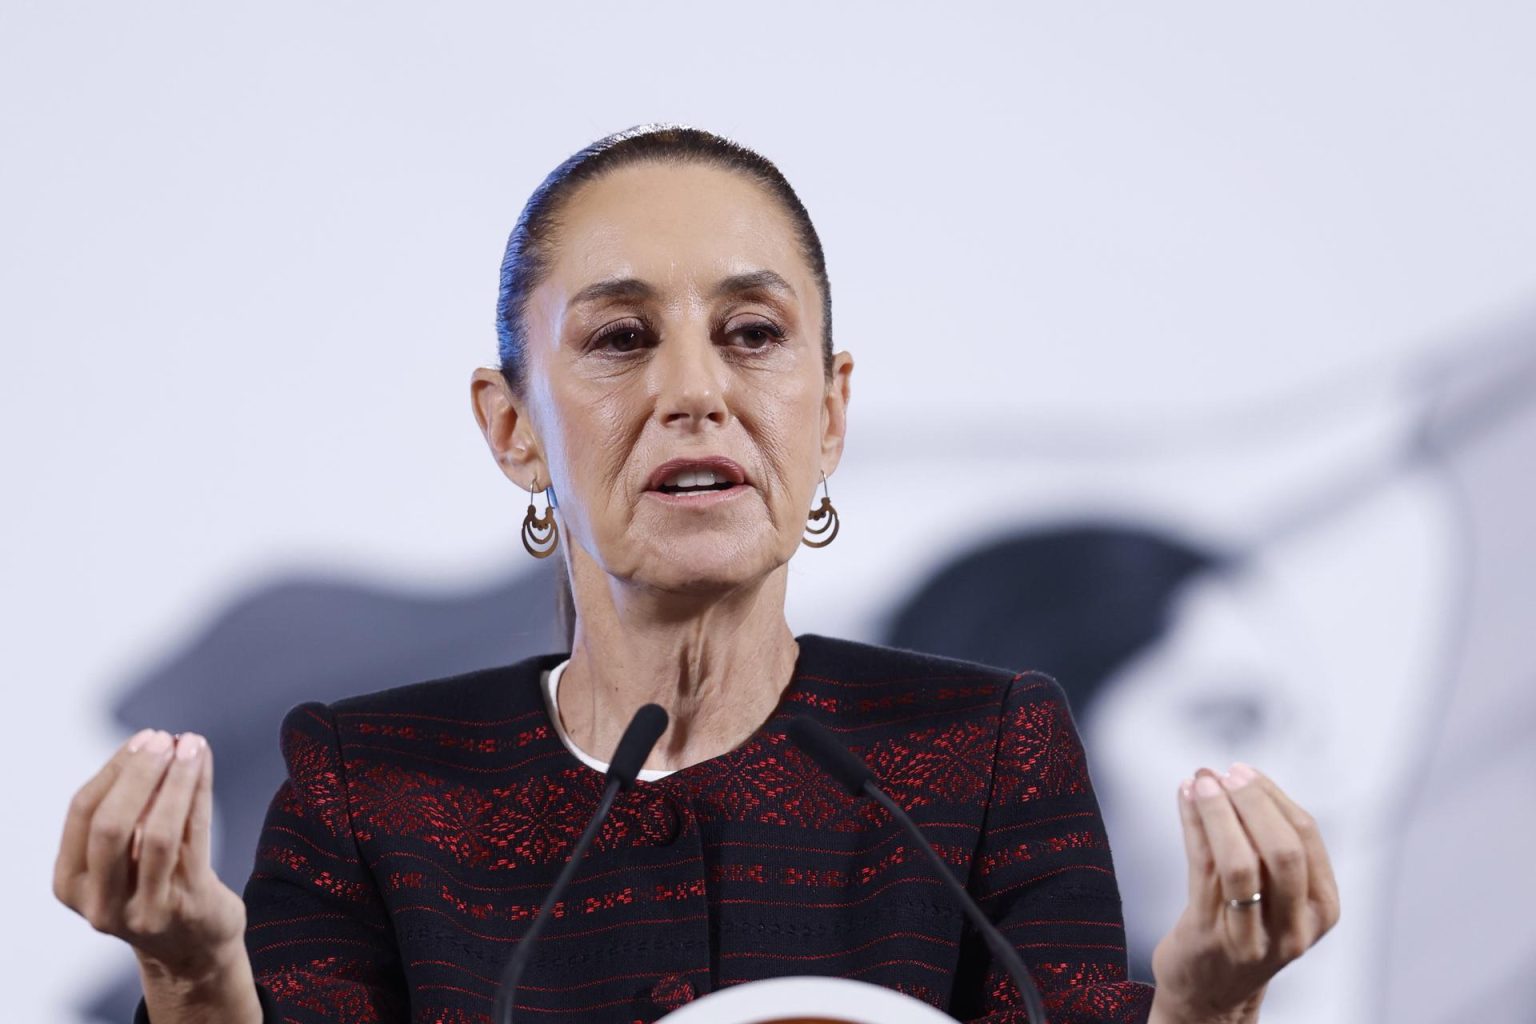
(806, 998)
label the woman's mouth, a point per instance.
(695, 481)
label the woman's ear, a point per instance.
(834, 412)
(508, 430)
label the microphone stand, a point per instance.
(644, 729)
(856, 777)
(513, 972)
(1001, 948)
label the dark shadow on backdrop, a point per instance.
(1075, 601)
(296, 640)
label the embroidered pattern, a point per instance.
(408, 852)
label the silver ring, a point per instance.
(1247, 902)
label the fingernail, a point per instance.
(158, 743)
(1238, 776)
(139, 739)
(1206, 786)
(188, 746)
(1187, 789)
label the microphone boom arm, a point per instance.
(1001, 948)
(635, 745)
(513, 972)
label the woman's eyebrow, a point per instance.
(754, 281)
(614, 288)
(634, 289)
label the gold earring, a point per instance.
(541, 535)
(819, 536)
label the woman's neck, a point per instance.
(717, 665)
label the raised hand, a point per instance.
(1261, 893)
(134, 862)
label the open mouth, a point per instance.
(696, 481)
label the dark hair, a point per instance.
(528, 248)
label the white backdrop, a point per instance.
(1177, 262)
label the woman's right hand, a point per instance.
(134, 862)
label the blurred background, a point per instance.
(1196, 357)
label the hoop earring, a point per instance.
(819, 536)
(541, 534)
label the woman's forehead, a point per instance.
(673, 225)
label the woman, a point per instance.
(667, 371)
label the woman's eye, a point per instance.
(621, 338)
(758, 335)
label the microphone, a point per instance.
(634, 747)
(854, 775)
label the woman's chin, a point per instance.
(707, 569)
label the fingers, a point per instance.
(1236, 865)
(71, 861)
(1284, 861)
(164, 829)
(133, 832)
(200, 818)
(108, 865)
(1242, 836)
(1203, 889)
(1322, 888)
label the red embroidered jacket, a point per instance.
(421, 827)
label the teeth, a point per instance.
(692, 478)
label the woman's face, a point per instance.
(677, 333)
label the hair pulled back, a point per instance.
(529, 248)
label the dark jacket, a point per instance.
(421, 827)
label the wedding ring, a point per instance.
(1246, 902)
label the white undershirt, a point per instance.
(551, 685)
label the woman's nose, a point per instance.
(691, 382)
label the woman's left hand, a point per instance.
(1261, 892)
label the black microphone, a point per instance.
(634, 747)
(854, 775)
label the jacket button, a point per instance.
(672, 991)
(665, 822)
